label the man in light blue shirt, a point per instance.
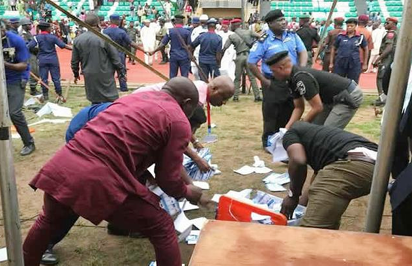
(277, 103)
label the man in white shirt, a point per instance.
(148, 37)
(227, 66)
(377, 35)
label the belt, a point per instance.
(352, 86)
(360, 158)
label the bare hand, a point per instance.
(364, 67)
(195, 194)
(76, 79)
(203, 165)
(288, 206)
(206, 202)
(197, 145)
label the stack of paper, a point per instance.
(276, 146)
(193, 170)
(274, 181)
(169, 204)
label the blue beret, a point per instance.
(196, 20)
(14, 20)
(114, 16)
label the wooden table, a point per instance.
(236, 244)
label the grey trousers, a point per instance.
(15, 97)
(34, 67)
(241, 64)
(339, 115)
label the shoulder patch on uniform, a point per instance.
(263, 37)
(390, 35)
(301, 88)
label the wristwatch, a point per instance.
(290, 193)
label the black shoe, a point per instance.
(235, 99)
(34, 92)
(45, 97)
(49, 258)
(29, 149)
(163, 62)
(258, 99)
(112, 230)
(378, 102)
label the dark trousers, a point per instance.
(34, 67)
(326, 62)
(135, 215)
(277, 107)
(210, 71)
(165, 58)
(54, 70)
(15, 97)
(402, 218)
(174, 66)
(123, 84)
(351, 72)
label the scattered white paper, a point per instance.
(275, 187)
(258, 217)
(276, 178)
(262, 170)
(55, 109)
(258, 162)
(15, 136)
(182, 223)
(187, 206)
(213, 125)
(202, 185)
(216, 198)
(245, 170)
(218, 172)
(30, 101)
(53, 121)
(276, 146)
(151, 170)
(3, 254)
(193, 237)
(199, 222)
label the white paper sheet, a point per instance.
(187, 206)
(193, 237)
(216, 198)
(202, 185)
(3, 254)
(55, 109)
(262, 170)
(276, 148)
(182, 223)
(276, 178)
(245, 170)
(199, 222)
(275, 187)
(258, 217)
(30, 101)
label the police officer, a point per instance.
(242, 40)
(178, 37)
(132, 32)
(347, 62)
(386, 54)
(14, 24)
(210, 52)
(330, 41)
(159, 36)
(308, 35)
(16, 57)
(277, 103)
(334, 100)
(26, 26)
(47, 56)
(120, 36)
(197, 30)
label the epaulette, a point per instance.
(263, 37)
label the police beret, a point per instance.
(114, 16)
(273, 14)
(276, 58)
(394, 20)
(14, 20)
(179, 16)
(339, 19)
(352, 20)
(236, 20)
(225, 22)
(304, 16)
(212, 21)
(363, 18)
(196, 20)
(25, 21)
(44, 24)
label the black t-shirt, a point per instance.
(324, 145)
(308, 35)
(308, 82)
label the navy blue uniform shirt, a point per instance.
(21, 54)
(210, 44)
(177, 51)
(118, 35)
(47, 47)
(348, 47)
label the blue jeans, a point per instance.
(210, 70)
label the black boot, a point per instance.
(28, 149)
(34, 91)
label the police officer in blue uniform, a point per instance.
(346, 62)
(119, 35)
(178, 37)
(16, 57)
(14, 24)
(210, 53)
(47, 56)
(277, 105)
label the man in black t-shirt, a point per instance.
(343, 163)
(334, 100)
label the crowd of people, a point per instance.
(111, 143)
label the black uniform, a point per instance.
(308, 36)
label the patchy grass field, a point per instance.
(239, 128)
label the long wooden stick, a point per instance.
(39, 80)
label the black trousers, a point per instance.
(15, 97)
(277, 107)
(402, 218)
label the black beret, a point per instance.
(180, 16)
(44, 24)
(273, 14)
(276, 58)
(352, 20)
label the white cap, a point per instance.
(204, 17)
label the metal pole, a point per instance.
(397, 87)
(242, 10)
(9, 202)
